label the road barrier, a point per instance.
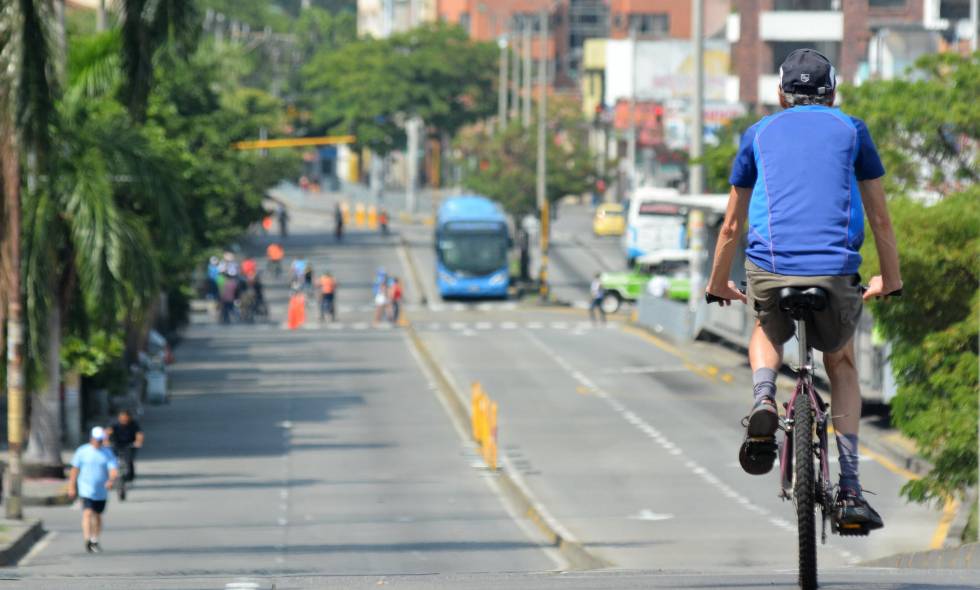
(359, 211)
(372, 217)
(483, 421)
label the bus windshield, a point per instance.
(473, 253)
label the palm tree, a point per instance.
(76, 230)
(26, 108)
(85, 244)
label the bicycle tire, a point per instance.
(804, 490)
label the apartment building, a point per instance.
(858, 36)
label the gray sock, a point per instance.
(764, 383)
(847, 453)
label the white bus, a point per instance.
(655, 220)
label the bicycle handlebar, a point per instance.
(709, 298)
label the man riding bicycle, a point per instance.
(801, 176)
(126, 436)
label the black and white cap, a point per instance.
(807, 71)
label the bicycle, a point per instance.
(123, 456)
(805, 428)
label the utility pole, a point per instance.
(502, 85)
(542, 194)
(101, 23)
(696, 178)
(514, 108)
(631, 138)
(696, 221)
(974, 31)
(526, 107)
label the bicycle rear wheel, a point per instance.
(804, 490)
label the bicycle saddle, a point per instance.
(802, 299)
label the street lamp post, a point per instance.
(631, 139)
(502, 84)
(526, 106)
(542, 197)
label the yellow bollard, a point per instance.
(372, 217)
(492, 439)
(475, 410)
(359, 214)
(345, 212)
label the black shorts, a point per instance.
(96, 506)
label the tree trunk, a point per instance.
(10, 161)
(44, 442)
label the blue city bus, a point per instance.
(472, 241)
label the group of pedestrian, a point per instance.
(235, 287)
(388, 297)
(95, 469)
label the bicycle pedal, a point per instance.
(852, 530)
(757, 455)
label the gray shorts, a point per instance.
(830, 329)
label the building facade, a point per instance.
(863, 38)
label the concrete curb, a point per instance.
(579, 558)
(12, 551)
(965, 557)
(60, 499)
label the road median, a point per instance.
(16, 539)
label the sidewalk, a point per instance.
(963, 557)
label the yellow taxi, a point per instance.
(609, 220)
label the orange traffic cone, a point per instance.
(296, 314)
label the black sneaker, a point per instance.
(758, 451)
(88, 547)
(763, 420)
(95, 547)
(853, 515)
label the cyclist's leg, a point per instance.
(845, 399)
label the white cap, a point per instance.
(98, 433)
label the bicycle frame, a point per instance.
(821, 414)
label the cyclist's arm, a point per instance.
(728, 242)
(875, 207)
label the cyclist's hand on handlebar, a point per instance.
(724, 295)
(877, 288)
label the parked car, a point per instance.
(609, 220)
(661, 273)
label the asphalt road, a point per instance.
(323, 457)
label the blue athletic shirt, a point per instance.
(803, 165)
(93, 466)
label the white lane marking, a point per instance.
(359, 325)
(457, 326)
(643, 370)
(664, 442)
(38, 548)
(534, 325)
(647, 514)
(437, 307)
(581, 305)
(522, 522)
(459, 307)
(468, 332)
(336, 326)
(508, 325)
(434, 325)
(242, 585)
(559, 325)
(509, 306)
(483, 325)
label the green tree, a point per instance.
(370, 87)
(927, 127)
(933, 330)
(504, 165)
(718, 158)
